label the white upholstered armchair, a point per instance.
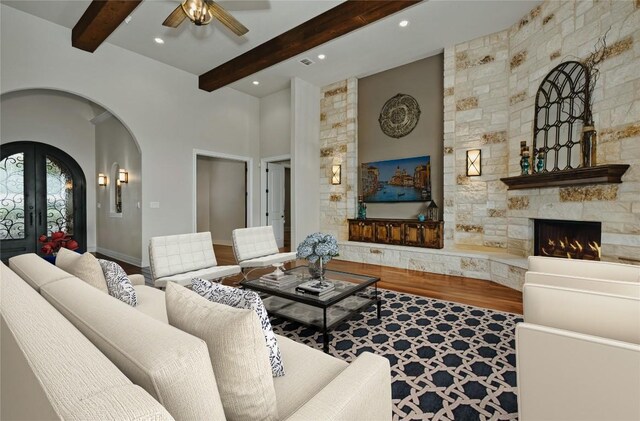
(578, 350)
(179, 258)
(256, 247)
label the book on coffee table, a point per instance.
(280, 281)
(315, 287)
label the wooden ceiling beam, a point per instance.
(335, 22)
(101, 18)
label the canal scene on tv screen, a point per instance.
(397, 180)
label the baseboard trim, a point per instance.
(120, 256)
(223, 242)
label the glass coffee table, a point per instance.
(352, 294)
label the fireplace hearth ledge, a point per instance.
(487, 263)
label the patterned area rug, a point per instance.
(449, 361)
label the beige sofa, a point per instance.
(578, 350)
(120, 356)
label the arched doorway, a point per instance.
(42, 190)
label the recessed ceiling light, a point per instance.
(127, 19)
(321, 56)
(403, 23)
(255, 82)
(158, 40)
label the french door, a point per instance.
(42, 190)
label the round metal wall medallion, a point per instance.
(399, 116)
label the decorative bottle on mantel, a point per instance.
(524, 161)
(588, 146)
(540, 163)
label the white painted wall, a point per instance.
(60, 120)
(221, 203)
(203, 195)
(118, 237)
(305, 159)
(275, 124)
(160, 105)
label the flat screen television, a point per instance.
(396, 180)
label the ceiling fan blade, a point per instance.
(175, 18)
(227, 20)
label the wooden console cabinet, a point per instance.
(406, 232)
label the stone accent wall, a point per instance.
(338, 146)
(475, 206)
(490, 87)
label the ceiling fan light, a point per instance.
(197, 11)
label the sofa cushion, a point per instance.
(84, 266)
(605, 286)
(51, 371)
(592, 313)
(585, 268)
(173, 366)
(249, 243)
(151, 302)
(308, 371)
(118, 282)
(173, 254)
(243, 298)
(35, 270)
(237, 349)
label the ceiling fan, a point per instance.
(201, 12)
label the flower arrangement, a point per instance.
(318, 246)
(60, 239)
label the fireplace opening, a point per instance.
(567, 239)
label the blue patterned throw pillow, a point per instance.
(118, 283)
(242, 298)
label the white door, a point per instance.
(275, 200)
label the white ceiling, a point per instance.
(434, 25)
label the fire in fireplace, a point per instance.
(567, 239)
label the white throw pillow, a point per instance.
(243, 298)
(118, 283)
(83, 266)
(236, 347)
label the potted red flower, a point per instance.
(58, 240)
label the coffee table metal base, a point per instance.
(324, 319)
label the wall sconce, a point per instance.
(102, 180)
(336, 174)
(123, 176)
(474, 162)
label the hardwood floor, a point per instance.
(458, 289)
(475, 292)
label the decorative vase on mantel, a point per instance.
(588, 144)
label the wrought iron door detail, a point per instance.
(59, 197)
(12, 215)
(559, 113)
(42, 190)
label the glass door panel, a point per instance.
(59, 196)
(12, 198)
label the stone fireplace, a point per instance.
(567, 239)
(489, 104)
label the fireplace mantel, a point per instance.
(600, 174)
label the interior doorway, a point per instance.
(221, 197)
(276, 197)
